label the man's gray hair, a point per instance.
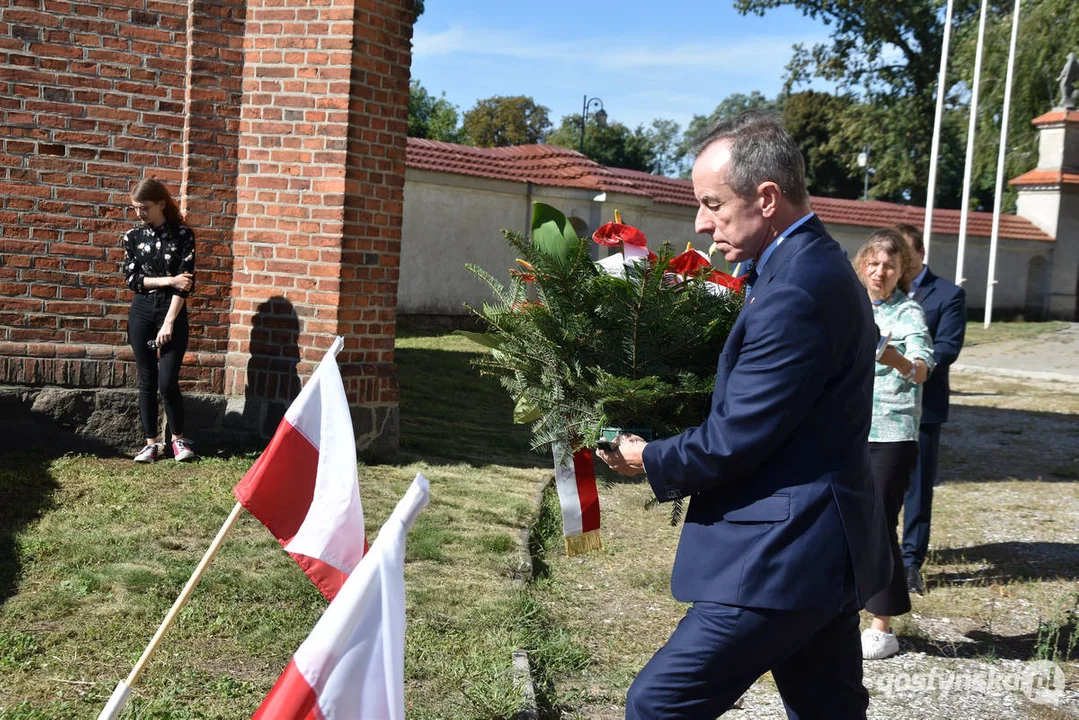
(761, 150)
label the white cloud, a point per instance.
(750, 54)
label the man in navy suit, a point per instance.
(785, 537)
(946, 315)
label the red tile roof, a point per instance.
(1046, 177)
(561, 167)
(1056, 116)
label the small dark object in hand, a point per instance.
(606, 445)
(152, 344)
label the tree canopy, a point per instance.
(614, 144)
(885, 56)
(430, 117)
(501, 121)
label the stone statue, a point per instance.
(1069, 93)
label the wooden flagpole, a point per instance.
(123, 688)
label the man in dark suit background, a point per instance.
(784, 538)
(946, 315)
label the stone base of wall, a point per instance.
(106, 422)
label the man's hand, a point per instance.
(627, 458)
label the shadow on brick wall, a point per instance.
(272, 379)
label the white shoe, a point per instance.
(149, 453)
(181, 450)
(877, 645)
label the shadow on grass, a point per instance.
(450, 413)
(27, 486)
(980, 645)
(981, 444)
(1008, 561)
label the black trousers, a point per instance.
(158, 368)
(918, 504)
(893, 463)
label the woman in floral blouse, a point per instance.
(904, 365)
(159, 265)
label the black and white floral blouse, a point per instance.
(164, 251)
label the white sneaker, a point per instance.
(181, 450)
(877, 645)
(149, 453)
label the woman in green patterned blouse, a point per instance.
(897, 408)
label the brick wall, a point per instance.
(280, 126)
(321, 179)
(94, 97)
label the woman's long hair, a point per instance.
(153, 190)
(893, 243)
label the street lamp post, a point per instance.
(601, 115)
(863, 162)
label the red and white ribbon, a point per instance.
(575, 479)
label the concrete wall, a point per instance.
(451, 220)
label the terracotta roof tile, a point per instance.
(540, 164)
(876, 214)
(1046, 177)
(1056, 116)
(561, 167)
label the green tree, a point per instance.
(613, 145)
(887, 54)
(665, 137)
(430, 117)
(1048, 30)
(501, 121)
(813, 120)
(730, 107)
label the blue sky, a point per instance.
(644, 60)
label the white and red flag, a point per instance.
(352, 665)
(304, 487)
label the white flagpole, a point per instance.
(971, 130)
(931, 191)
(991, 280)
(123, 688)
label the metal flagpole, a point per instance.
(971, 130)
(991, 280)
(123, 688)
(931, 191)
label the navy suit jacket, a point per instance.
(783, 500)
(945, 308)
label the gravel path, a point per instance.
(1006, 522)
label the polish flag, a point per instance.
(575, 481)
(304, 487)
(352, 665)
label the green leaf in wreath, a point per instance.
(552, 233)
(526, 411)
(488, 340)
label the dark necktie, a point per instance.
(750, 275)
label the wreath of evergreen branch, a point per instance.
(579, 349)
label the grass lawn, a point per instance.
(977, 334)
(94, 550)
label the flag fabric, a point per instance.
(305, 488)
(575, 480)
(352, 665)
